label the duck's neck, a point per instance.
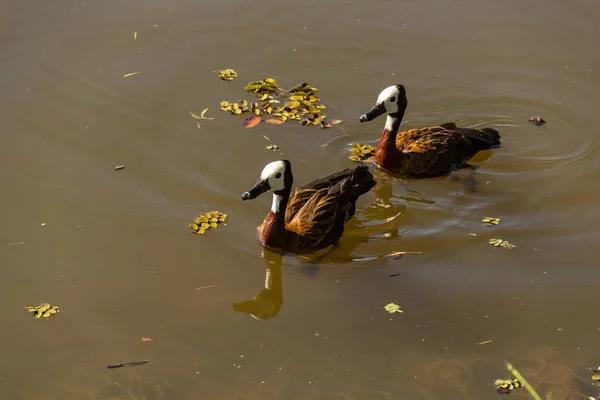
(386, 151)
(280, 202)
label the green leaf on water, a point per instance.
(393, 308)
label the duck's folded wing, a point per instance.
(317, 218)
(303, 193)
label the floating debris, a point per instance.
(274, 121)
(43, 310)
(273, 147)
(119, 167)
(501, 243)
(330, 123)
(506, 386)
(147, 339)
(130, 74)
(206, 221)
(489, 221)
(472, 234)
(127, 364)
(393, 308)
(484, 342)
(226, 74)
(361, 152)
(398, 254)
(202, 115)
(537, 120)
(526, 384)
(134, 35)
(252, 121)
(207, 287)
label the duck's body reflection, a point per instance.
(266, 303)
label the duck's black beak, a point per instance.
(376, 111)
(261, 186)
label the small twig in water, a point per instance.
(127, 364)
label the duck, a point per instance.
(313, 216)
(423, 152)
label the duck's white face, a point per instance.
(273, 177)
(274, 173)
(389, 98)
(391, 101)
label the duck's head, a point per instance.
(276, 176)
(392, 100)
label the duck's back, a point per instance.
(318, 210)
(432, 150)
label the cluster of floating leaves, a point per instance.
(273, 147)
(43, 310)
(489, 221)
(361, 152)
(235, 108)
(501, 243)
(301, 103)
(226, 74)
(506, 386)
(206, 221)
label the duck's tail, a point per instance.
(493, 136)
(362, 179)
(482, 139)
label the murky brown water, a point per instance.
(117, 257)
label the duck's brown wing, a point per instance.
(320, 221)
(303, 193)
(431, 150)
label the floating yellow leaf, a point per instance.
(43, 310)
(501, 243)
(130, 74)
(393, 308)
(489, 221)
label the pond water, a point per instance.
(116, 254)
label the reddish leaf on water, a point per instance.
(274, 121)
(147, 339)
(252, 121)
(335, 121)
